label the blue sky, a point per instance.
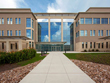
(54, 5)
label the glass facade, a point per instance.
(104, 20)
(28, 33)
(11, 21)
(7, 20)
(28, 22)
(81, 20)
(96, 20)
(82, 33)
(93, 32)
(19, 32)
(90, 32)
(19, 20)
(10, 32)
(2, 20)
(16, 20)
(7, 32)
(85, 32)
(16, 33)
(88, 20)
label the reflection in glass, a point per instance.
(28, 33)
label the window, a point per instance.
(86, 44)
(82, 44)
(19, 32)
(102, 45)
(16, 32)
(7, 32)
(32, 34)
(106, 44)
(93, 32)
(7, 20)
(16, 20)
(30, 44)
(109, 20)
(78, 33)
(106, 32)
(28, 33)
(11, 46)
(28, 22)
(85, 32)
(104, 21)
(98, 45)
(11, 21)
(10, 32)
(2, 20)
(16, 46)
(109, 32)
(94, 44)
(98, 32)
(90, 32)
(90, 44)
(19, 20)
(96, 20)
(101, 32)
(2, 45)
(81, 20)
(32, 23)
(88, 20)
(76, 24)
(82, 33)
(2, 33)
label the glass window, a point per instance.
(2, 20)
(7, 32)
(94, 44)
(32, 24)
(7, 20)
(102, 45)
(11, 21)
(16, 46)
(109, 20)
(81, 20)
(104, 20)
(88, 20)
(10, 32)
(90, 32)
(28, 33)
(76, 35)
(28, 22)
(30, 44)
(82, 33)
(101, 32)
(2, 33)
(19, 32)
(76, 24)
(19, 20)
(16, 20)
(32, 35)
(2, 45)
(11, 46)
(106, 32)
(16, 32)
(86, 44)
(109, 32)
(85, 32)
(93, 32)
(90, 44)
(98, 45)
(96, 20)
(82, 44)
(106, 44)
(98, 32)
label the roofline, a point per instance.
(15, 8)
(55, 13)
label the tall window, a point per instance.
(11, 46)
(82, 44)
(32, 34)
(90, 44)
(88, 20)
(86, 44)
(7, 20)
(28, 33)
(28, 22)
(98, 45)
(104, 20)
(90, 32)
(19, 20)
(109, 20)
(16, 20)
(16, 46)
(93, 32)
(7, 32)
(2, 33)
(30, 44)
(109, 32)
(94, 44)
(85, 32)
(19, 32)
(101, 32)
(106, 44)
(16, 32)
(81, 20)
(82, 33)
(106, 32)
(10, 32)
(102, 45)
(96, 20)
(11, 21)
(32, 23)
(98, 32)
(2, 20)
(2, 45)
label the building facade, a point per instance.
(21, 29)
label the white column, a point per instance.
(61, 29)
(49, 30)
(20, 45)
(7, 46)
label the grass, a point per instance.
(102, 58)
(34, 59)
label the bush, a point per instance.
(89, 50)
(97, 50)
(18, 56)
(85, 50)
(93, 50)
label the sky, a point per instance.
(54, 5)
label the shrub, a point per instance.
(97, 50)
(89, 50)
(18, 56)
(93, 50)
(85, 50)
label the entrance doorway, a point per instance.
(55, 48)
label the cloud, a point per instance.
(45, 38)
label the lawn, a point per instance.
(102, 58)
(34, 59)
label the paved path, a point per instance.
(56, 68)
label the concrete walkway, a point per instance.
(56, 68)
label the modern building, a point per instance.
(21, 29)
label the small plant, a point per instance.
(85, 50)
(93, 50)
(97, 50)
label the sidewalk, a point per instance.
(56, 68)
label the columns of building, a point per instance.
(48, 29)
(7, 46)
(61, 29)
(20, 45)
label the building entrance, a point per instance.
(55, 48)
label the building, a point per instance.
(21, 29)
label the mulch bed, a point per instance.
(100, 73)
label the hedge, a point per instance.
(13, 57)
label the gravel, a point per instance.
(100, 73)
